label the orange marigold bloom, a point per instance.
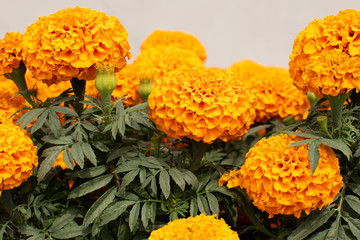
(69, 43)
(177, 39)
(278, 177)
(201, 104)
(10, 52)
(200, 227)
(326, 55)
(18, 156)
(245, 69)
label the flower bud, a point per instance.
(105, 82)
(145, 88)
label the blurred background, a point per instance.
(230, 30)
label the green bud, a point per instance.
(323, 122)
(105, 83)
(289, 120)
(312, 98)
(145, 88)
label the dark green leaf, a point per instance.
(54, 123)
(28, 230)
(145, 214)
(90, 186)
(62, 140)
(3, 229)
(78, 154)
(99, 205)
(153, 185)
(64, 110)
(114, 130)
(203, 204)
(129, 177)
(164, 181)
(142, 177)
(306, 141)
(337, 144)
(353, 202)
(39, 122)
(71, 232)
(30, 116)
(213, 203)
(123, 231)
(88, 126)
(355, 188)
(336, 230)
(121, 125)
(68, 158)
(310, 224)
(320, 235)
(177, 176)
(89, 152)
(314, 155)
(133, 216)
(113, 211)
(90, 172)
(152, 210)
(190, 178)
(256, 129)
(118, 152)
(60, 222)
(39, 236)
(47, 163)
(354, 225)
(203, 181)
(302, 134)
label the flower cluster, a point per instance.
(198, 227)
(68, 44)
(18, 156)
(326, 54)
(177, 39)
(277, 97)
(201, 104)
(10, 52)
(278, 178)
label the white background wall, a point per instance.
(231, 30)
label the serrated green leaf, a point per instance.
(28, 230)
(113, 211)
(353, 202)
(101, 146)
(164, 181)
(121, 124)
(145, 214)
(193, 207)
(190, 178)
(40, 121)
(78, 154)
(320, 235)
(90, 186)
(71, 232)
(89, 152)
(213, 203)
(203, 204)
(58, 140)
(116, 153)
(54, 123)
(68, 158)
(114, 130)
(39, 236)
(88, 126)
(30, 116)
(354, 225)
(314, 155)
(152, 210)
(203, 182)
(64, 110)
(302, 134)
(129, 177)
(90, 172)
(64, 219)
(47, 163)
(254, 130)
(99, 205)
(337, 144)
(310, 224)
(296, 144)
(133, 216)
(336, 230)
(138, 107)
(177, 177)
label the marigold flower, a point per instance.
(18, 156)
(177, 39)
(201, 104)
(245, 69)
(326, 55)
(198, 227)
(68, 44)
(10, 52)
(278, 178)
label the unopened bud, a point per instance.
(145, 88)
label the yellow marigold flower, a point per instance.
(195, 228)
(278, 177)
(18, 156)
(201, 104)
(245, 69)
(10, 52)
(326, 54)
(68, 44)
(177, 39)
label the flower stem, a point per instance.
(337, 103)
(198, 150)
(79, 91)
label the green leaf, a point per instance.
(336, 230)
(28, 230)
(164, 181)
(254, 130)
(314, 155)
(47, 163)
(78, 154)
(39, 122)
(54, 123)
(64, 110)
(123, 231)
(338, 144)
(145, 214)
(71, 232)
(129, 177)
(213, 203)
(113, 211)
(39, 236)
(90, 186)
(90, 172)
(62, 140)
(64, 219)
(310, 224)
(355, 188)
(99, 205)
(177, 176)
(353, 202)
(116, 153)
(68, 158)
(89, 152)
(320, 235)
(121, 125)
(302, 134)
(354, 225)
(29, 117)
(190, 178)
(193, 207)
(152, 210)
(3, 229)
(306, 141)
(88, 126)
(133, 216)
(203, 204)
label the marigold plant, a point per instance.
(175, 38)
(68, 44)
(10, 52)
(201, 104)
(198, 227)
(278, 178)
(18, 156)
(326, 53)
